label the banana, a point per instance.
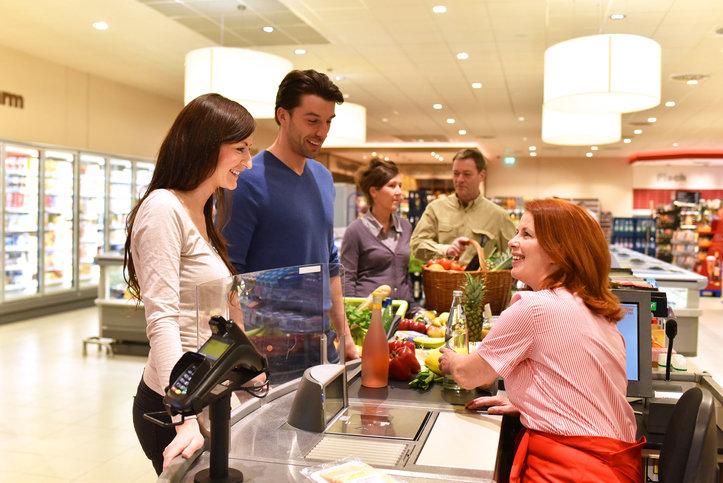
(429, 342)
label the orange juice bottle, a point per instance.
(375, 350)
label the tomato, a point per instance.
(418, 326)
(445, 262)
(455, 265)
(431, 262)
(404, 324)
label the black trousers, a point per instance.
(153, 438)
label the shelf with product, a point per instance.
(710, 249)
(637, 233)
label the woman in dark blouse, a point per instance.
(375, 248)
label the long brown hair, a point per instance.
(575, 241)
(189, 155)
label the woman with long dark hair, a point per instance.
(173, 245)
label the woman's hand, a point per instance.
(187, 441)
(468, 370)
(494, 405)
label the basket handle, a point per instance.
(480, 255)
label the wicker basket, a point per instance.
(438, 285)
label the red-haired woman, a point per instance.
(560, 353)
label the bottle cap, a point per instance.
(456, 292)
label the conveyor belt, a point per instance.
(371, 451)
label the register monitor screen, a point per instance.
(635, 328)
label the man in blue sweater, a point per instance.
(283, 208)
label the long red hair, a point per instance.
(575, 241)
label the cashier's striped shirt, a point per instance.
(563, 366)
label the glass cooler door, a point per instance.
(58, 221)
(91, 222)
(144, 172)
(20, 223)
(120, 196)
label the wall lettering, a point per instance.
(671, 177)
(11, 100)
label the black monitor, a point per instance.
(635, 328)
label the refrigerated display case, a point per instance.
(58, 220)
(91, 218)
(20, 222)
(61, 208)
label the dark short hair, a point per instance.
(475, 155)
(374, 175)
(300, 82)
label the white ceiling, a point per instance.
(397, 58)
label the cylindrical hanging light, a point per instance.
(349, 126)
(248, 77)
(603, 73)
(579, 129)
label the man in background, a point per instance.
(448, 223)
(283, 209)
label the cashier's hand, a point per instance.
(350, 350)
(458, 246)
(494, 405)
(187, 441)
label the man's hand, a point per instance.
(458, 246)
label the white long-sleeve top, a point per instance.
(171, 258)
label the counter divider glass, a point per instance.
(410, 434)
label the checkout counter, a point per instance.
(682, 288)
(411, 435)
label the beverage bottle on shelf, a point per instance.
(375, 350)
(456, 335)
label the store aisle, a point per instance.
(68, 418)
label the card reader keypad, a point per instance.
(180, 387)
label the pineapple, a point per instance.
(473, 293)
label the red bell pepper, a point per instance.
(403, 363)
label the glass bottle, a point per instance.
(375, 350)
(387, 314)
(456, 336)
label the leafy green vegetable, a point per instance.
(415, 265)
(358, 322)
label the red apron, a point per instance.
(552, 458)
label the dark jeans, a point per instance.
(153, 438)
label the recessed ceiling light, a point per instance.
(451, 121)
(374, 153)
(589, 155)
(638, 131)
(692, 82)
(617, 16)
(652, 119)
(670, 104)
(268, 29)
(627, 140)
(300, 51)
(593, 148)
(521, 118)
(437, 106)
(441, 158)
(439, 9)
(533, 154)
(346, 95)
(384, 119)
(463, 56)
(532, 148)
(462, 132)
(100, 25)
(433, 154)
(476, 85)
(675, 145)
(339, 78)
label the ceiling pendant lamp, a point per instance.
(603, 73)
(349, 126)
(246, 76)
(580, 129)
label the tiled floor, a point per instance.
(66, 417)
